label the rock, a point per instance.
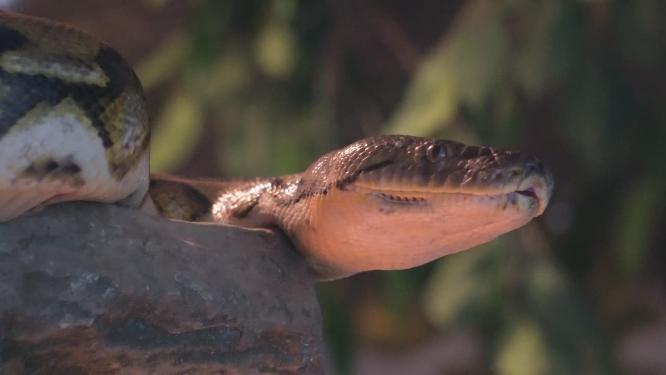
(89, 288)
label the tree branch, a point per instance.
(91, 288)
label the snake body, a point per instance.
(73, 126)
(73, 122)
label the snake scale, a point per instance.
(73, 126)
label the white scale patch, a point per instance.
(55, 67)
(60, 133)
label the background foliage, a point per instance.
(247, 87)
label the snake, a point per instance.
(74, 126)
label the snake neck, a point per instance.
(261, 203)
(382, 203)
(287, 203)
(257, 203)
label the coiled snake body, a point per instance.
(73, 126)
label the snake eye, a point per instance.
(436, 152)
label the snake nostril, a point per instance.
(533, 165)
(51, 166)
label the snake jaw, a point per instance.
(362, 228)
(357, 230)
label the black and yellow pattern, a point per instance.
(44, 64)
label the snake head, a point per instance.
(395, 202)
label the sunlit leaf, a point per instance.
(275, 47)
(523, 351)
(177, 132)
(462, 69)
(162, 64)
(430, 101)
(275, 50)
(479, 51)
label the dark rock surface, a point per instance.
(95, 289)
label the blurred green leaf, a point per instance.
(533, 67)
(399, 290)
(156, 3)
(523, 351)
(177, 133)
(275, 50)
(641, 30)
(246, 150)
(457, 283)
(431, 100)
(163, 63)
(226, 80)
(462, 69)
(585, 118)
(341, 338)
(573, 338)
(638, 214)
(479, 51)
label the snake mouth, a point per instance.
(524, 183)
(538, 188)
(530, 194)
(532, 199)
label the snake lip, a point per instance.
(529, 192)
